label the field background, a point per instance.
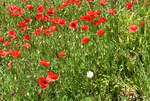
(120, 60)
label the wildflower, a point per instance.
(90, 74)
(27, 38)
(6, 43)
(27, 46)
(100, 33)
(51, 12)
(133, 28)
(1, 39)
(85, 40)
(56, 21)
(47, 32)
(12, 34)
(97, 22)
(41, 9)
(18, 12)
(74, 25)
(43, 83)
(45, 63)
(12, 94)
(24, 0)
(15, 54)
(51, 77)
(135, 1)
(62, 54)
(3, 53)
(146, 3)
(142, 23)
(10, 64)
(112, 12)
(28, 20)
(38, 32)
(53, 28)
(61, 7)
(78, 2)
(62, 22)
(29, 7)
(103, 2)
(85, 28)
(102, 20)
(98, 12)
(129, 6)
(12, 9)
(22, 24)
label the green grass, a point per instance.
(120, 60)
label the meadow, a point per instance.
(74, 50)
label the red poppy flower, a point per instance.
(71, 2)
(103, 2)
(61, 7)
(62, 22)
(97, 22)
(51, 12)
(53, 28)
(12, 9)
(74, 25)
(43, 83)
(39, 17)
(86, 18)
(47, 32)
(90, 1)
(112, 12)
(78, 2)
(45, 18)
(6, 43)
(4, 3)
(3, 53)
(146, 3)
(85, 28)
(100, 33)
(129, 6)
(102, 20)
(62, 54)
(15, 54)
(24, 29)
(38, 32)
(13, 34)
(92, 14)
(55, 21)
(85, 40)
(135, 1)
(22, 24)
(27, 38)
(98, 12)
(45, 63)
(65, 4)
(51, 77)
(41, 9)
(27, 46)
(29, 7)
(143, 23)
(24, 0)
(9, 51)
(10, 64)
(28, 20)
(18, 12)
(1, 39)
(133, 28)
